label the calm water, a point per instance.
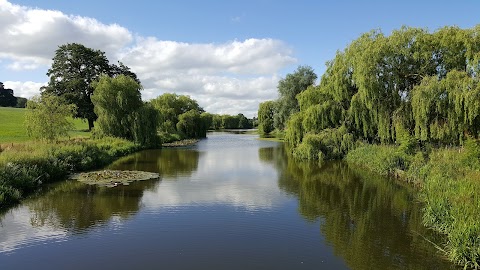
(230, 202)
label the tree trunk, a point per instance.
(90, 124)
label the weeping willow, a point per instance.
(390, 89)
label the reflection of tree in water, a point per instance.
(166, 162)
(370, 221)
(76, 206)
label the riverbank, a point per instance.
(449, 187)
(24, 167)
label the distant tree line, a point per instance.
(7, 99)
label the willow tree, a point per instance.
(121, 111)
(170, 107)
(392, 89)
(266, 111)
(447, 110)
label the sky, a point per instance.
(227, 55)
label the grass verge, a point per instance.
(449, 180)
(25, 167)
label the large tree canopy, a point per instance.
(121, 111)
(170, 107)
(73, 70)
(382, 88)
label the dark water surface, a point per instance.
(230, 202)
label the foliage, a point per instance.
(288, 89)
(170, 107)
(25, 167)
(12, 126)
(48, 117)
(446, 111)
(381, 159)
(145, 121)
(115, 101)
(73, 70)
(452, 200)
(7, 99)
(191, 126)
(410, 88)
(449, 190)
(121, 111)
(266, 111)
(21, 102)
(328, 144)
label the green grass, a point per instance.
(25, 167)
(12, 127)
(449, 180)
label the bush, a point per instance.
(382, 159)
(328, 144)
(24, 168)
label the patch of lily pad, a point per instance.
(113, 178)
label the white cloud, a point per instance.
(24, 89)
(230, 77)
(30, 36)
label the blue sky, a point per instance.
(228, 55)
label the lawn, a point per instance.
(12, 128)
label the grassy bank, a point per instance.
(449, 181)
(12, 128)
(25, 167)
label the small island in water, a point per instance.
(113, 178)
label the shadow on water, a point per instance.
(368, 220)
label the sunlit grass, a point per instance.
(12, 127)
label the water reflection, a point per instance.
(236, 203)
(169, 163)
(368, 220)
(228, 173)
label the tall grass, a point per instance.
(449, 181)
(24, 167)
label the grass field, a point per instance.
(12, 128)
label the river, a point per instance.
(230, 202)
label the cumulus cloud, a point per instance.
(24, 89)
(30, 36)
(230, 77)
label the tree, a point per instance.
(7, 99)
(116, 101)
(230, 121)
(73, 70)
(244, 122)
(191, 125)
(145, 125)
(170, 107)
(288, 89)
(411, 86)
(48, 117)
(266, 111)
